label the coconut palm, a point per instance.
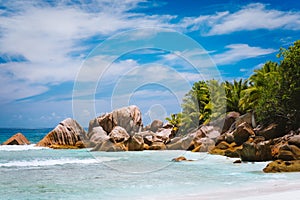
(234, 94)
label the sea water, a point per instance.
(29, 172)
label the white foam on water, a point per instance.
(20, 147)
(51, 162)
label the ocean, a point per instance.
(29, 172)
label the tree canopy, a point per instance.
(271, 92)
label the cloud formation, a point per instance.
(238, 52)
(47, 35)
(250, 17)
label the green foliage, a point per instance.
(290, 84)
(204, 102)
(193, 106)
(175, 120)
(272, 92)
(235, 96)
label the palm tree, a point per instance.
(262, 95)
(258, 82)
(234, 94)
(217, 103)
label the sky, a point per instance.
(83, 58)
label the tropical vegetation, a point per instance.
(272, 93)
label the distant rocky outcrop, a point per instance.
(122, 130)
(67, 134)
(116, 131)
(17, 139)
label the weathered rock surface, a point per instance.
(155, 125)
(180, 159)
(136, 143)
(149, 137)
(271, 131)
(110, 146)
(17, 139)
(184, 143)
(283, 166)
(157, 146)
(67, 134)
(118, 134)
(248, 118)
(230, 150)
(256, 152)
(165, 135)
(224, 124)
(294, 140)
(242, 133)
(205, 145)
(200, 139)
(129, 118)
(97, 135)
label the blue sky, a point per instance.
(47, 46)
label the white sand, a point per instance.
(280, 191)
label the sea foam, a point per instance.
(20, 147)
(51, 162)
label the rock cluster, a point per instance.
(122, 130)
(249, 143)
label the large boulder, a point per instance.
(110, 146)
(149, 137)
(157, 146)
(67, 134)
(179, 143)
(97, 135)
(224, 124)
(294, 140)
(283, 166)
(285, 151)
(270, 131)
(165, 134)
(129, 118)
(17, 139)
(230, 150)
(205, 145)
(248, 118)
(201, 139)
(256, 151)
(136, 143)
(118, 134)
(155, 125)
(242, 133)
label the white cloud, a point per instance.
(251, 17)
(237, 52)
(47, 34)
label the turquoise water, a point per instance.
(28, 172)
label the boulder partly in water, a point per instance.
(67, 134)
(17, 139)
